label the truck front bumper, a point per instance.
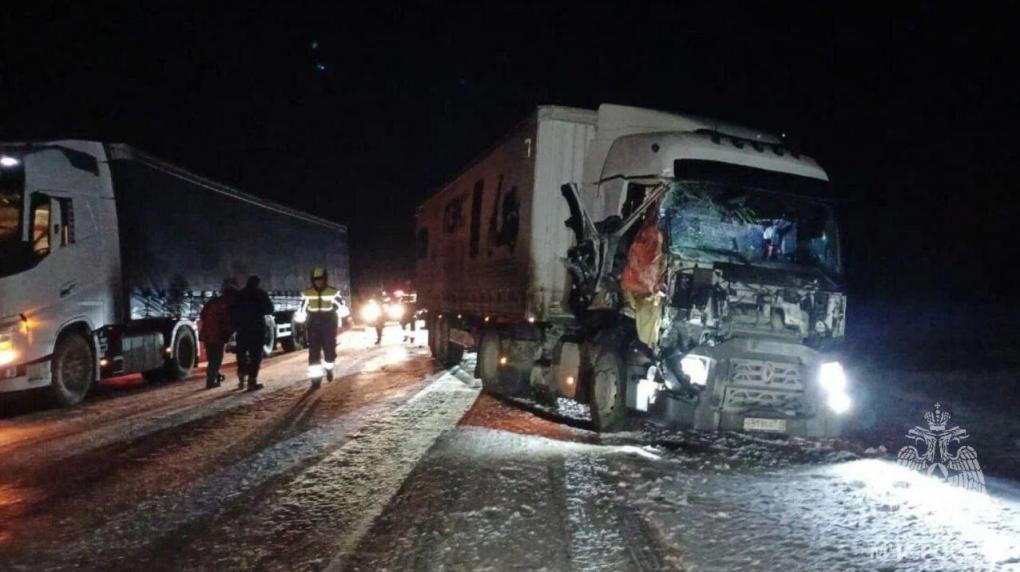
(25, 376)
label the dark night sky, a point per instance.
(358, 114)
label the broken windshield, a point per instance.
(716, 221)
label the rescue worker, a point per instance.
(320, 305)
(251, 306)
(215, 329)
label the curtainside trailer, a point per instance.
(637, 260)
(107, 255)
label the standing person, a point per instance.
(251, 306)
(320, 304)
(215, 328)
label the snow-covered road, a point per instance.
(399, 466)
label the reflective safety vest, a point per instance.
(326, 300)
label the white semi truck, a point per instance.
(526, 255)
(107, 255)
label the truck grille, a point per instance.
(764, 384)
(766, 374)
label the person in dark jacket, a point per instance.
(215, 329)
(248, 315)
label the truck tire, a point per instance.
(608, 405)
(296, 340)
(454, 354)
(73, 370)
(488, 363)
(270, 341)
(442, 344)
(182, 355)
(433, 332)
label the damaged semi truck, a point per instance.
(637, 260)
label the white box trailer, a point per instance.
(521, 256)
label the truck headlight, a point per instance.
(832, 378)
(395, 311)
(695, 368)
(7, 353)
(300, 317)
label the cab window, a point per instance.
(40, 225)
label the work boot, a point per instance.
(240, 381)
(210, 383)
(253, 384)
(329, 375)
(316, 382)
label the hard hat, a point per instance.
(319, 272)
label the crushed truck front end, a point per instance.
(752, 310)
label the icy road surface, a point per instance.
(398, 466)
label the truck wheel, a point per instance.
(442, 341)
(73, 370)
(454, 353)
(295, 341)
(608, 409)
(488, 363)
(433, 332)
(183, 355)
(270, 340)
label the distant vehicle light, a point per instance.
(6, 161)
(371, 311)
(695, 368)
(395, 311)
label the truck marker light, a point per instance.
(167, 351)
(570, 380)
(104, 362)
(502, 360)
(6, 161)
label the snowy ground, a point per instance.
(399, 466)
(510, 490)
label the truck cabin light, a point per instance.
(695, 367)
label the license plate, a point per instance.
(759, 424)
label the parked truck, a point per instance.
(107, 255)
(637, 260)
